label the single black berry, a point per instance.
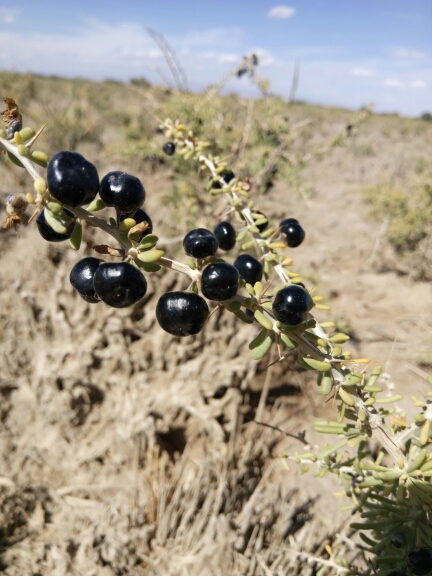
(81, 278)
(122, 190)
(292, 232)
(200, 243)
(182, 313)
(139, 217)
(14, 126)
(249, 268)
(264, 226)
(169, 148)
(397, 539)
(226, 176)
(420, 561)
(219, 281)
(72, 179)
(119, 284)
(48, 233)
(291, 305)
(225, 235)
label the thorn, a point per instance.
(33, 216)
(36, 136)
(266, 288)
(274, 234)
(220, 305)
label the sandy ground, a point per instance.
(124, 450)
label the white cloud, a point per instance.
(8, 16)
(418, 84)
(229, 58)
(361, 72)
(394, 83)
(281, 12)
(407, 53)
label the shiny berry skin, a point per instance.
(292, 231)
(225, 235)
(169, 148)
(261, 227)
(249, 268)
(81, 278)
(48, 233)
(72, 180)
(219, 281)
(291, 305)
(182, 313)
(420, 561)
(122, 190)
(119, 284)
(200, 243)
(139, 217)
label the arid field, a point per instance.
(124, 450)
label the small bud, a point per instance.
(40, 158)
(96, 205)
(27, 133)
(40, 186)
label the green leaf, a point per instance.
(150, 256)
(14, 160)
(148, 266)
(232, 305)
(244, 317)
(286, 340)
(260, 351)
(328, 450)
(326, 385)
(56, 224)
(148, 242)
(76, 237)
(242, 234)
(263, 320)
(259, 339)
(317, 364)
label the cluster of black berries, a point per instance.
(74, 182)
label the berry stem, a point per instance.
(194, 275)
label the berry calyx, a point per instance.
(291, 305)
(225, 235)
(72, 180)
(219, 281)
(48, 233)
(200, 243)
(182, 313)
(122, 190)
(119, 284)
(249, 268)
(169, 148)
(139, 217)
(292, 232)
(81, 278)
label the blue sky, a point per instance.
(351, 52)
